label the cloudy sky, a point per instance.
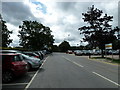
(63, 17)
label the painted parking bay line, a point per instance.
(73, 62)
(106, 78)
(14, 84)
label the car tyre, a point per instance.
(7, 76)
(28, 66)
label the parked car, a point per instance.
(10, 51)
(87, 52)
(69, 52)
(32, 61)
(78, 52)
(108, 52)
(90, 52)
(97, 52)
(44, 52)
(33, 54)
(115, 52)
(40, 54)
(12, 65)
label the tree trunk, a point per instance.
(119, 53)
(102, 53)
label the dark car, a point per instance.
(40, 54)
(12, 65)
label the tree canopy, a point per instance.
(99, 32)
(64, 46)
(34, 35)
(5, 33)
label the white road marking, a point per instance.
(14, 84)
(35, 75)
(78, 64)
(106, 79)
(66, 58)
(43, 62)
(73, 62)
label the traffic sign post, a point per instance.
(109, 46)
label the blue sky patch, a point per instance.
(41, 7)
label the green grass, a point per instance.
(107, 59)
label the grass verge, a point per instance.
(107, 59)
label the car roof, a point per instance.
(9, 53)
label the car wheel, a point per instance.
(28, 67)
(7, 76)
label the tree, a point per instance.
(34, 35)
(99, 32)
(5, 33)
(55, 48)
(64, 46)
(117, 42)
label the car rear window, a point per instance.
(8, 57)
(17, 58)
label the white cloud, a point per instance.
(63, 17)
(14, 34)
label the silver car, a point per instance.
(78, 52)
(32, 61)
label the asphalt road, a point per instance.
(69, 71)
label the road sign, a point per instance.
(108, 46)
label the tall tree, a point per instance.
(64, 46)
(99, 32)
(55, 48)
(5, 33)
(34, 35)
(117, 42)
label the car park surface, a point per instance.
(20, 82)
(68, 71)
(60, 70)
